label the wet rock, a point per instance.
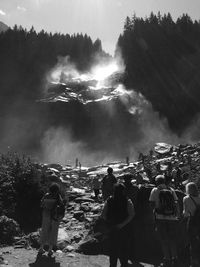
(84, 199)
(85, 207)
(34, 239)
(63, 239)
(79, 215)
(69, 249)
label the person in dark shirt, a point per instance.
(118, 212)
(131, 190)
(107, 184)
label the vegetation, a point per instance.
(162, 61)
(21, 189)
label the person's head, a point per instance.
(54, 188)
(191, 189)
(119, 191)
(160, 179)
(110, 170)
(168, 179)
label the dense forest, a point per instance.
(162, 59)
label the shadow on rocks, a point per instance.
(45, 261)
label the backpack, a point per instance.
(58, 212)
(166, 203)
(195, 219)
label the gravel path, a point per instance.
(28, 258)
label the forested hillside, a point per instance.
(26, 56)
(25, 59)
(162, 59)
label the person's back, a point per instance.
(107, 184)
(131, 190)
(118, 212)
(165, 203)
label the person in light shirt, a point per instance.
(190, 201)
(166, 225)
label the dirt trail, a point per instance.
(28, 258)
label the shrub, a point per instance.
(8, 230)
(21, 189)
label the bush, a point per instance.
(21, 190)
(8, 230)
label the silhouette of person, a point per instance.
(107, 184)
(118, 212)
(50, 225)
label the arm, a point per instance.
(152, 199)
(104, 211)
(186, 212)
(131, 214)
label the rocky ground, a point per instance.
(15, 257)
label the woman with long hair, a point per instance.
(50, 221)
(190, 204)
(118, 212)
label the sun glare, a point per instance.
(100, 73)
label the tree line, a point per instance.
(27, 55)
(162, 59)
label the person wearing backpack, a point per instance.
(191, 211)
(53, 211)
(118, 212)
(164, 202)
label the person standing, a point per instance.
(50, 220)
(96, 185)
(118, 213)
(107, 184)
(164, 201)
(131, 191)
(190, 204)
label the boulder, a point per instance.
(162, 148)
(79, 215)
(63, 239)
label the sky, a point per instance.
(103, 19)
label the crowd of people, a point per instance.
(120, 200)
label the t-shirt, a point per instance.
(107, 185)
(189, 206)
(154, 197)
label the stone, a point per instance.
(79, 215)
(69, 248)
